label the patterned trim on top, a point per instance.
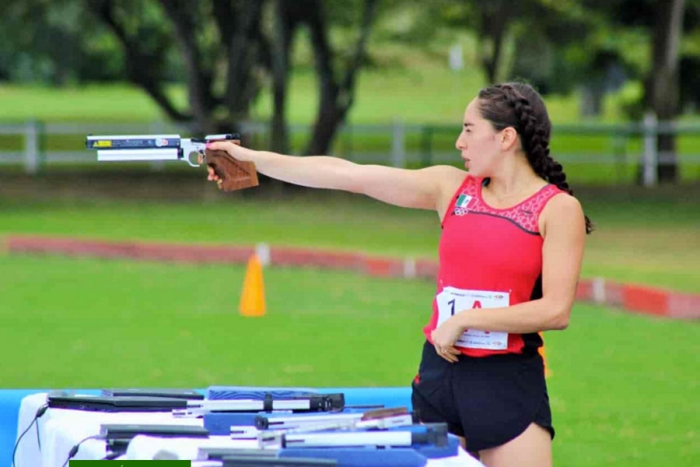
(525, 214)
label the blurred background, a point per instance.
(373, 81)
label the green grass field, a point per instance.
(622, 386)
(650, 237)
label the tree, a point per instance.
(234, 29)
(288, 16)
(491, 21)
(48, 43)
(496, 23)
(337, 93)
(222, 50)
(664, 82)
(336, 77)
(143, 39)
(225, 51)
(663, 22)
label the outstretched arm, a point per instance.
(423, 189)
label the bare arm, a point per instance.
(423, 189)
(562, 254)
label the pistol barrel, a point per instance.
(136, 147)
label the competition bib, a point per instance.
(452, 301)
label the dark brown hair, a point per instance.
(518, 105)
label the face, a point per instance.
(478, 142)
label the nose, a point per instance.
(460, 144)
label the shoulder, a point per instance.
(445, 178)
(562, 203)
(562, 212)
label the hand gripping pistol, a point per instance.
(233, 174)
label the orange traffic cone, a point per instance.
(253, 296)
(547, 371)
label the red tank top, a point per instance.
(491, 253)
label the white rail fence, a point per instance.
(393, 149)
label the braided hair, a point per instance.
(519, 106)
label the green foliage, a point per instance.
(54, 43)
(636, 20)
(558, 46)
(144, 24)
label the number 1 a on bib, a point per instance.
(452, 301)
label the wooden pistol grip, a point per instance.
(234, 174)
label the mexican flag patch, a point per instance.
(463, 201)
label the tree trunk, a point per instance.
(336, 98)
(329, 118)
(244, 58)
(328, 88)
(183, 15)
(287, 18)
(665, 82)
(493, 21)
(592, 94)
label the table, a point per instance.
(61, 429)
(146, 447)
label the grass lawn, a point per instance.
(650, 237)
(142, 323)
(622, 387)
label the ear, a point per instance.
(509, 138)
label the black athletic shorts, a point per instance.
(488, 400)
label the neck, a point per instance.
(514, 178)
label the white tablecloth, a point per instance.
(61, 429)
